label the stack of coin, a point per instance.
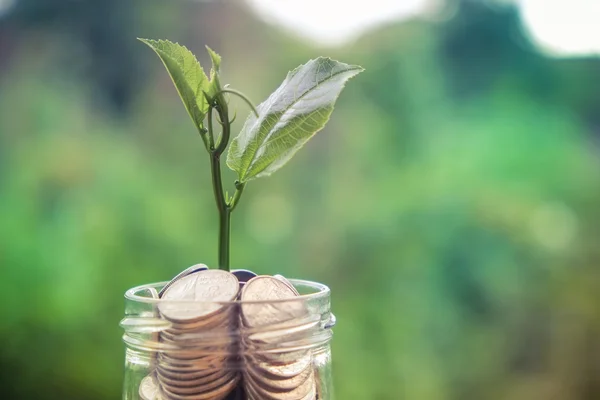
(277, 367)
(198, 344)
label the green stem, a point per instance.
(223, 111)
(224, 211)
(224, 205)
(224, 235)
(241, 96)
(211, 138)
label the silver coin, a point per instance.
(149, 389)
(186, 272)
(258, 311)
(220, 319)
(270, 317)
(211, 327)
(198, 343)
(276, 382)
(281, 370)
(205, 362)
(189, 375)
(187, 368)
(287, 282)
(198, 295)
(194, 342)
(295, 330)
(305, 390)
(196, 354)
(216, 394)
(153, 293)
(176, 387)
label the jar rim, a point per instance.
(321, 291)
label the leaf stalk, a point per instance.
(241, 96)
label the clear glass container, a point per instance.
(250, 350)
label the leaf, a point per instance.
(297, 110)
(216, 61)
(214, 84)
(187, 75)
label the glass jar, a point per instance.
(241, 350)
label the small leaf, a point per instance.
(187, 75)
(298, 109)
(214, 85)
(216, 61)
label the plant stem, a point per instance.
(241, 96)
(223, 205)
(223, 111)
(210, 139)
(224, 211)
(224, 234)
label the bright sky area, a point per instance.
(560, 27)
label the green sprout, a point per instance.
(273, 132)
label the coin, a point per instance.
(186, 272)
(282, 371)
(153, 293)
(256, 312)
(185, 388)
(188, 376)
(198, 342)
(287, 282)
(279, 378)
(149, 389)
(276, 323)
(188, 341)
(189, 368)
(305, 390)
(290, 330)
(198, 295)
(215, 394)
(218, 321)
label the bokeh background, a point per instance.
(452, 203)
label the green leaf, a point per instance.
(297, 110)
(216, 61)
(214, 85)
(187, 75)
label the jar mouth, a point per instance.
(215, 329)
(309, 291)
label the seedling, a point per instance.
(273, 132)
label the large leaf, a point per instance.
(187, 75)
(297, 110)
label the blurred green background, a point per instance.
(452, 203)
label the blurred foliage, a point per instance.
(451, 204)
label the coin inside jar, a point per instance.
(272, 320)
(257, 312)
(197, 344)
(188, 271)
(198, 295)
(149, 389)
